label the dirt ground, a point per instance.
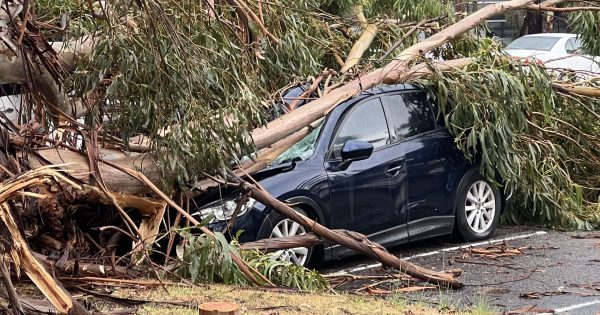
(256, 301)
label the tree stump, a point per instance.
(219, 308)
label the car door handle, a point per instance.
(394, 170)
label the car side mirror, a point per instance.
(355, 150)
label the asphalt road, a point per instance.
(559, 272)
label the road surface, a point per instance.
(556, 271)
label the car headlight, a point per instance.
(223, 210)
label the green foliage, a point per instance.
(507, 117)
(286, 273)
(195, 85)
(587, 25)
(417, 10)
(203, 259)
(481, 306)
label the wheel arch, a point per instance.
(310, 206)
(504, 196)
(461, 184)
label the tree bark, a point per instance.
(77, 167)
(533, 23)
(10, 289)
(359, 48)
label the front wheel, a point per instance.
(478, 209)
(277, 225)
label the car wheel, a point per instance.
(277, 225)
(478, 209)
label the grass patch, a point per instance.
(256, 301)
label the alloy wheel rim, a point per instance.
(297, 255)
(480, 206)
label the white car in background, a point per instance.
(555, 51)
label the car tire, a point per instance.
(478, 208)
(277, 225)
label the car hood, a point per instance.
(273, 170)
(282, 181)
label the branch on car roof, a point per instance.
(392, 73)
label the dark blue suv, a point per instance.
(379, 164)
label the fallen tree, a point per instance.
(197, 103)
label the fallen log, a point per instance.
(268, 245)
(115, 181)
(351, 240)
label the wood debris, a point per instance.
(586, 236)
(532, 309)
(372, 290)
(538, 295)
(494, 251)
(560, 291)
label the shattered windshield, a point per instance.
(301, 150)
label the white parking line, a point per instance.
(449, 249)
(573, 307)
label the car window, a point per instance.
(570, 46)
(365, 122)
(534, 43)
(573, 45)
(409, 114)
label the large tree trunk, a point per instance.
(115, 180)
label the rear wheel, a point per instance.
(478, 209)
(277, 225)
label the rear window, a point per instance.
(409, 114)
(533, 43)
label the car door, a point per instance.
(368, 196)
(425, 149)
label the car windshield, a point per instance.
(533, 43)
(301, 150)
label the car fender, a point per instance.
(304, 200)
(461, 184)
